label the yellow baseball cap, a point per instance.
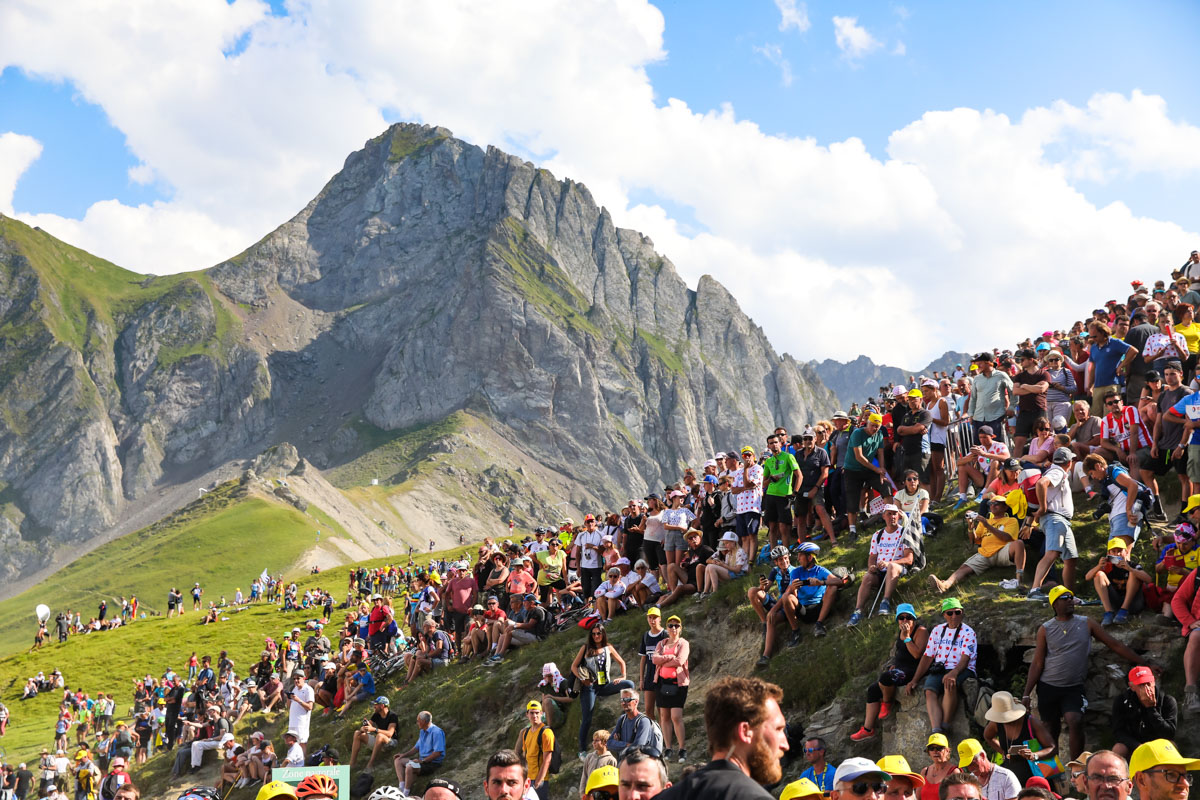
(533, 705)
(747, 449)
(602, 778)
(897, 766)
(914, 393)
(1057, 592)
(653, 611)
(1159, 753)
(1115, 543)
(876, 418)
(937, 740)
(967, 750)
(801, 788)
(1193, 503)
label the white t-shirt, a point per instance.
(1058, 494)
(298, 716)
(537, 547)
(589, 559)
(654, 528)
(1002, 785)
(294, 757)
(910, 503)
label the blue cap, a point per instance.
(530, 598)
(1042, 346)
(710, 478)
(906, 608)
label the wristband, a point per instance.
(909, 639)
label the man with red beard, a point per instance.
(747, 736)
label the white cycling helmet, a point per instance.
(387, 793)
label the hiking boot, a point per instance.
(682, 755)
(1191, 700)
(794, 639)
(1122, 617)
(885, 608)
(862, 734)
(762, 662)
(885, 710)
(855, 618)
(1107, 619)
(819, 628)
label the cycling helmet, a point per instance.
(808, 547)
(275, 789)
(778, 551)
(200, 793)
(387, 793)
(319, 785)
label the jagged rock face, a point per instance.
(482, 282)
(860, 379)
(428, 276)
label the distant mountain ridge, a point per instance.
(429, 279)
(860, 379)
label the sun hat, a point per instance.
(1004, 708)
(951, 603)
(1192, 503)
(1159, 753)
(800, 788)
(857, 767)
(897, 767)
(906, 608)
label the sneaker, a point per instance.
(1037, 593)
(885, 710)
(682, 755)
(962, 501)
(794, 640)
(862, 734)
(1191, 700)
(762, 662)
(885, 608)
(1122, 617)
(819, 628)
(855, 618)
(668, 754)
(1107, 619)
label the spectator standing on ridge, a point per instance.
(991, 396)
(860, 470)
(747, 492)
(782, 478)
(535, 744)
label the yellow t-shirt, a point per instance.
(534, 751)
(989, 543)
(1191, 334)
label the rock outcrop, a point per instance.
(428, 276)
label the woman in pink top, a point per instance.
(671, 681)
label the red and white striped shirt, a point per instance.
(1126, 429)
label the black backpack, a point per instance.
(555, 754)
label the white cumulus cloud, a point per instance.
(853, 39)
(793, 15)
(244, 115)
(17, 152)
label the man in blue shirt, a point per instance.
(819, 771)
(1108, 358)
(808, 598)
(424, 757)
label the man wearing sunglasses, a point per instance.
(996, 782)
(602, 784)
(1160, 772)
(633, 728)
(949, 654)
(859, 779)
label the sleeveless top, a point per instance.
(1068, 645)
(937, 433)
(1018, 766)
(904, 659)
(930, 790)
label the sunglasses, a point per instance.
(862, 788)
(674, 625)
(814, 749)
(627, 700)
(954, 612)
(600, 794)
(1112, 402)
(904, 617)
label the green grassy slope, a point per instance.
(221, 541)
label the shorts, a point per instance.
(980, 564)
(674, 542)
(522, 637)
(656, 556)
(1116, 596)
(854, 480)
(371, 742)
(933, 682)
(425, 767)
(808, 614)
(918, 462)
(648, 683)
(1119, 526)
(1054, 701)
(803, 504)
(776, 509)
(1025, 420)
(746, 525)
(1164, 463)
(440, 662)
(671, 702)
(1193, 463)
(1059, 536)
(937, 447)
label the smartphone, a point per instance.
(1116, 559)
(1014, 750)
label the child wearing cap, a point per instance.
(1119, 583)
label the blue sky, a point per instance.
(173, 137)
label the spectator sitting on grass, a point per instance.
(998, 542)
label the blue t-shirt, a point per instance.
(808, 595)
(367, 681)
(1192, 402)
(432, 740)
(779, 578)
(824, 781)
(1104, 361)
